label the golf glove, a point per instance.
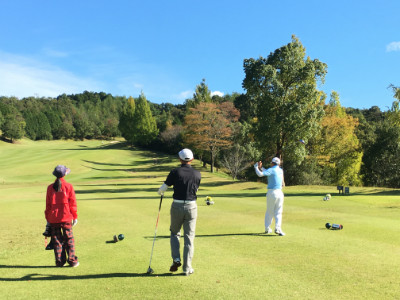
(258, 172)
(162, 189)
(74, 222)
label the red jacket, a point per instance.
(61, 206)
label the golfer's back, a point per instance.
(186, 182)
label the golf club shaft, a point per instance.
(155, 231)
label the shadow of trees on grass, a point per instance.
(115, 191)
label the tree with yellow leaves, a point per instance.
(338, 148)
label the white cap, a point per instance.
(276, 161)
(186, 154)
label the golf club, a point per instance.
(150, 270)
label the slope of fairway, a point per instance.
(116, 189)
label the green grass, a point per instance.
(116, 189)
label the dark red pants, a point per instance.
(64, 244)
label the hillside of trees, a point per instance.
(282, 113)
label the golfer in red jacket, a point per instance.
(61, 213)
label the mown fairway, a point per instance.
(116, 189)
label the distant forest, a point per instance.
(91, 115)
(281, 114)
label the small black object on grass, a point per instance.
(333, 226)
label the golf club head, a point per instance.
(150, 271)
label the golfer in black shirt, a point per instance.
(186, 182)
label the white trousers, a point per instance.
(274, 208)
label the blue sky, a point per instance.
(165, 48)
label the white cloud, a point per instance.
(131, 85)
(217, 93)
(393, 46)
(189, 94)
(184, 95)
(24, 77)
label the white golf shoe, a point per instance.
(279, 232)
(190, 272)
(268, 231)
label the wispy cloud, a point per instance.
(131, 85)
(393, 46)
(184, 95)
(23, 77)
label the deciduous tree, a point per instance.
(288, 103)
(337, 146)
(208, 127)
(13, 127)
(236, 159)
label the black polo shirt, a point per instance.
(186, 182)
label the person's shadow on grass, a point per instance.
(263, 234)
(47, 277)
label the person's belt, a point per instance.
(183, 201)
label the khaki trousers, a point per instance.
(183, 215)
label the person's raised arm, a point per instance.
(259, 169)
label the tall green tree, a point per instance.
(127, 119)
(67, 130)
(13, 127)
(44, 131)
(201, 94)
(1, 119)
(393, 114)
(246, 106)
(55, 122)
(381, 160)
(144, 127)
(66, 109)
(366, 129)
(83, 126)
(37, 126)
(288, 104)
(31, 125)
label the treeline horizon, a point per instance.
(96, 115)
(282, 113)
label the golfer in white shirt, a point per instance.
(274, 195)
